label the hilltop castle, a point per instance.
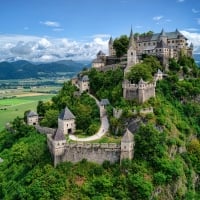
(163, 45)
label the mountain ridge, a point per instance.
(22, 69)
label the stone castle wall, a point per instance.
(92, 152)
(45, 130)
(140, 92)
(98, 153)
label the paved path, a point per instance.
(101, 132)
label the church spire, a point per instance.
(131, 39)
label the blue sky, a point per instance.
(45, 30)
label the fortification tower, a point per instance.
(83, 83)
(127, 146)
(57, 143)
(111, 50)
(32, 118)
(131, 54)
(66, 122)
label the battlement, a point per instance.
(144, 85)
(141, 91)
(93, 145)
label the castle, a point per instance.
(163, 45)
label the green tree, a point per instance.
(50, 118)
(121, 45)
(139, 71)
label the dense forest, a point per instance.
(166, 163)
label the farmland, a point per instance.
(10, 108)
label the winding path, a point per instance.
(101, 132)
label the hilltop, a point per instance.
(165, 125)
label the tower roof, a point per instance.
(32, 114)
(141, 81)
(132, 40)
(104, 102)
(58, 135)
(66, 114)
(85, 78)
(101, 53)
(163, 34)
(128, 136)
(191, 45)
(111, 40)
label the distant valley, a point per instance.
(22, 69)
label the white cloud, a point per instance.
(157, 18)
(138, 26)
(41, 49)
(195, 11)
(50, 23)
(194, 38)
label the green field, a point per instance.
(17, 106)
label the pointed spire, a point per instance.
(191, 45)
(111, 40)
(162, 33)
(131, 39)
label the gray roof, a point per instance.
(66, 114)
(58, 135)
(128, 136)
(85, 78)
(101, 53)
(155, 36)
(104, 102)
(159, 71)
(111, 40)
(32, 114)
(142, 81)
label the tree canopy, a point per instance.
(121, 45)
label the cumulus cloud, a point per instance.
(157, 18)
(44, 49)
(50, 23)
(194, 38)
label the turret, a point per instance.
(127, 145)
(111, 50)
(32, 118)
(66, 121)
(131, 54)
(163, 36)
(58, 144)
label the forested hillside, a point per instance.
(166, 163)
(23, 69)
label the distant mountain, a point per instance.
(22, 69)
